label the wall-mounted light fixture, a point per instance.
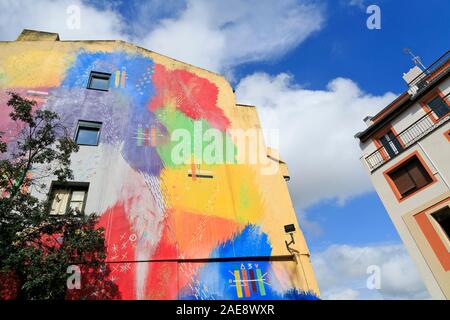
(290, 229)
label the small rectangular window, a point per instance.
(99, 81)
(410, 177)
(439, 107)
(443, 218)
(200, 174)
(68, 197)
(207, 176)
(391, 144)
(88, 133)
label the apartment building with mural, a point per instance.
(195, 230)
(406, 151)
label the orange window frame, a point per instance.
(380, 133)
(447, 134)
(391, 183)
(432, 236)
(430, 96)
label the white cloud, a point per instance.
(218, 35)
(53, 16)
(145, 15)
(357, 3)
(317, 130)
(312, 228)
(341, 272)
(344, 294)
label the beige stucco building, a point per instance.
(406, 151)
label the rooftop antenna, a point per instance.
(415, 59)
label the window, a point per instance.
(410, 176)
(99, 81)
(68, 197)
(391, 144)
(88, 133)
(443, 218)
(197, 173)
(439, 106)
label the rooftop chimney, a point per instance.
(34, 35)
(413, 79)
(368, 120)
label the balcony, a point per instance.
(422, 80)
(419, 129)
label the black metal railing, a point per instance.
(421, 79)
(405, 139)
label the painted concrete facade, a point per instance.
(182, 227)
(423, 237)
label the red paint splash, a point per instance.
(121, 245)
(165, 279)
(196, 97)
(162, 280)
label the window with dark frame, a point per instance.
(206, 176)
(88, 133)
(410, 177)
(442, 217)
(391, 144)
(439, 106)
(69, 196)
(99, 81)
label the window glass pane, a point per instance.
(78, 196)
(443, 218)
(70, 197)
(391, 144)
(439, 107)
(99, 82)
(87, 135)
(59, 204)
(76, 206)
(387, 147)
(394, 140)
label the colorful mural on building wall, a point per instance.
(154, 210)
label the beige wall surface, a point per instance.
(434, 149)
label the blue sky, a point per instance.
(372, 58)
(361, 221)
(375, 60)
(314, 70)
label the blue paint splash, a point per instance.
(215, 280)
(135, 94)
(250, 242)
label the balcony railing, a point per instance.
(405, 139)
(421, 80)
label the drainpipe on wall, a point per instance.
(299, 266)
(434, 165)
(303, 279)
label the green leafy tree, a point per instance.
(36, 248)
